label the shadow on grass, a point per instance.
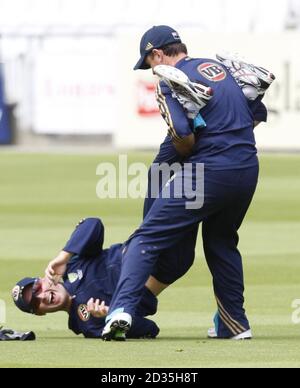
(194, 339)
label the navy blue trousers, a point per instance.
(175, 262)
(227, 197)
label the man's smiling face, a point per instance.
(46, 298)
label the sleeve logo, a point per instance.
(83, 313)
(212, 71)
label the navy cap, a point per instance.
(155, 38)
(23, 301)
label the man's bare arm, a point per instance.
(57, 267)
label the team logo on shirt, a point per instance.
(212, 71)
(83, 313)
(73, 277)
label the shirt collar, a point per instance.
(182, 62)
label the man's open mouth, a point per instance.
(51, 298)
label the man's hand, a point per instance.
(57, 267)
(256, 123)
(185, 146)
(96, 309)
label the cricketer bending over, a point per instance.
(226, 146)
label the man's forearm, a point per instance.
(57, 267)
(65, 256)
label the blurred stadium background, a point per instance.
(67, 87)
(67, 66)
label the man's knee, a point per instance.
(219, 233)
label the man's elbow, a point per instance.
(185, 145)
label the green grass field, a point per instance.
(43, 196)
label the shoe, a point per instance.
(249, 77)
(117, 327)
(184, 89)
(247, 335)
(212, 334)
(120, 336)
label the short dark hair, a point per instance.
(174, 49)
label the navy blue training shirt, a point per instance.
(228, 141)
(94, 273)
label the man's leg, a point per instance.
(143, 328)
(167, 156)
(169, 221)
(147, 245)
(220, 241)
(175, 262)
